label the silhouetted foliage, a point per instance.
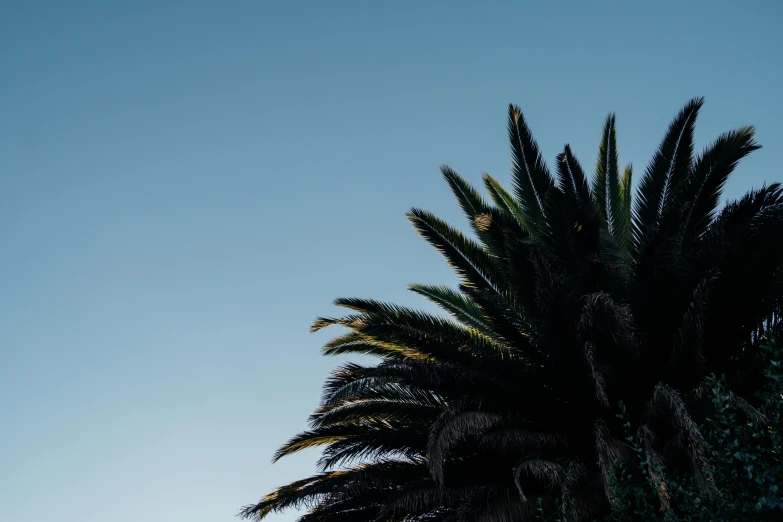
(572, 297)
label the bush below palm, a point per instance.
(744, 445)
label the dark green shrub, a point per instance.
(744, 451)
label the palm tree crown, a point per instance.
(573, 295)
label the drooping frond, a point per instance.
(420, 409)
(345, 374)
(387, 440)
(314, 438)
(655, 465)
(515, 442)
(501, 508)
(333, 487)
(379, 388)
(669, 402)
(442, 379)
(297, 494)
(548, 473)
(688, 339)
(452, 428)
(345, 444)
(597, 375)
(428, 499)
(610, 451)
(607, 323)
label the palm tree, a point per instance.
(573, 297)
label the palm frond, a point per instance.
(398, 330)
(358, 344)
(610, 451)
(605, 189)
(702, 190)
(388, 442)
(501, 233)
(548, 473)
(506, 201)
(380, 388)
(336, 486)
(507, 323)
(626, 232)
(460, 307)
(667, 400)
(667, 168)
(301, 493)
(470, 201)
(654, 467)
(437, 376)
(597, 375)
(451, 428)
(414, 329)
(530, 175)
(689, 334)
(473, 264)
(515, 442)
(571, 177)
(314, 438)
(415, 410)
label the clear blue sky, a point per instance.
(185, 185)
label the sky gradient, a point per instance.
(185, 186)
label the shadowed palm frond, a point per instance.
(504, 200)
(473, 264)
(460, 307)
(530, 176)
(669, 166)
(700, 195)
(605, 184)
(572, 179)
(452, 428)
(470, 201)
